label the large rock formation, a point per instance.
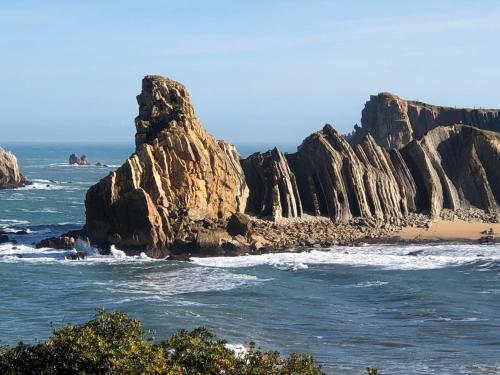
(394, 122)
(181, 185)
(10, 177)
(178, 173)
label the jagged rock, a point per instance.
(79, 160)
(177, 167)
(63, 242)
(456, 167)
(10, 177)
(338, 182)
(183, 192)
(239, 224)
(273, 189)
(394, 122)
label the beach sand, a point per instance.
(445, 230)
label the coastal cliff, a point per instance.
(182, 191)
(10, 177)
(394, 122)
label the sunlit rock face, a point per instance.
(178, 172)
(10, 177)
(181, 185)
(394, 122)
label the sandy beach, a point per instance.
(446, 230)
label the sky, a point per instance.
(258, 71)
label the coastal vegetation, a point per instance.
(114, 343)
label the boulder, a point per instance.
(63, 242)
(239, 224)
(10, 177)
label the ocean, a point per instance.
(351, 307)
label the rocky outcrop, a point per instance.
(184, 192)
(10, 177)
(273, 188)
(178, 175)
(455, 167)
(394, 122)
(78, 160)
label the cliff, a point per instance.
(178, 174)
(394, 122)
(10, 177)
(180, 187)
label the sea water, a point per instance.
(351, 307)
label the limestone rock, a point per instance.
(273, 188)
(177, 168)
(394, 122)
(10, 177)
(455, 167)
(183, 192)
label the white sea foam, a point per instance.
(239, 350)
(382, 256)
(160, 285)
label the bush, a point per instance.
(113, 343)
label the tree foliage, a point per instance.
(114, 343)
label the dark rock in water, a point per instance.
(415, 253)
(21, 232)
(10, 177)
(79, 160)
(180, 176)
(79, 255)
(98, 164)
(63, 242)
(487, 240)
(239, 223)
(4, 238)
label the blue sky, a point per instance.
(258, 71)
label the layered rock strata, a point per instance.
(394, 122)
(10, 177)
(182, 191)
(178, 174)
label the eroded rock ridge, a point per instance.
(183, 190)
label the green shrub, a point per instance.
(113, 343)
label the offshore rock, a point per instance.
(78, 160)
(394, 122)
(178, 174)
(10, 177)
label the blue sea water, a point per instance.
(438, 313)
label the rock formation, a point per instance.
(183, 191)
(78, 160)
(10, 177)
(177, 175)
(394, 122)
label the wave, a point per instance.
(391, 257)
